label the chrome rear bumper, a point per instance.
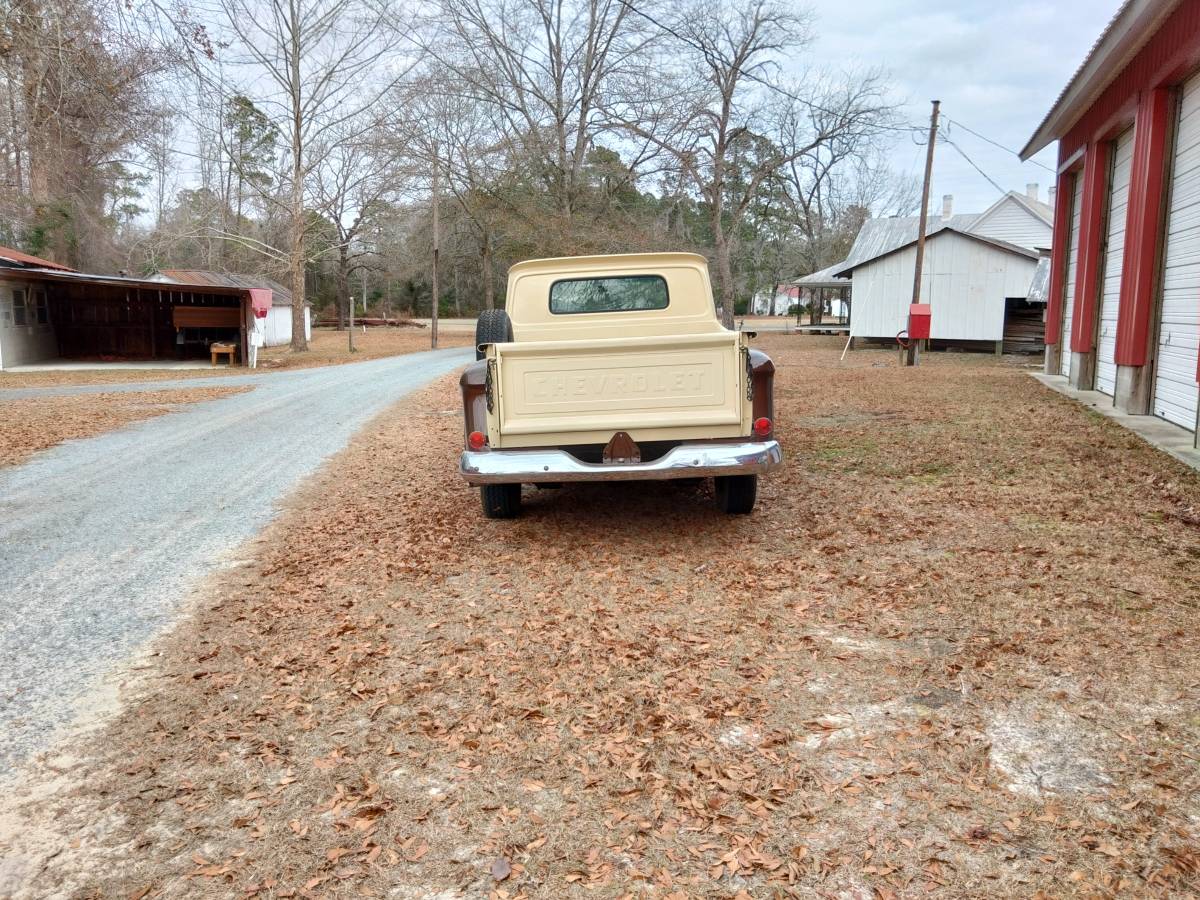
(684, 461)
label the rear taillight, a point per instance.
(476, 440)
(762, 427)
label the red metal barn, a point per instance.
(1123, 311)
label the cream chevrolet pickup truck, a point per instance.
(614, 368)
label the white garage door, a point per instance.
(1064, 341)
(1176, 393)
(1114, 252)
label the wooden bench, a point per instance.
(217, 349)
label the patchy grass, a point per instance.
(29, 426)
(958, 660)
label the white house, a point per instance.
(977, 271)
(276, 328)
(1020, 219)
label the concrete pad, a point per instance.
(73, 365)
(1166, 436)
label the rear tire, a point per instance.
(736, 493)
(492, 327)
(501, 501)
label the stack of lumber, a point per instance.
(370, 322)
(1024, 331)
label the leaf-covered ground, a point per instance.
(953, 653)
(30, 425)
(330, 347)
(327, 347)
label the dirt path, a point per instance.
(954, 654)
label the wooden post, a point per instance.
(911, 357)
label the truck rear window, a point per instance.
(620, 294)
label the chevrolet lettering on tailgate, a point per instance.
(607, 368)
(632, 384)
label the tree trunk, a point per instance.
(457, 298)
(296, 265)
(724, 270)
(343, 288)
(296, 261)
(489, 282)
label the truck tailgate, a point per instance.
(655, 388)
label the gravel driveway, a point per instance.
(103, 538)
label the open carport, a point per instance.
(53, 314)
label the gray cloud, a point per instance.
(996, 66)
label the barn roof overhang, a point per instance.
(10, 258)
(1127, 32)
(259, 299)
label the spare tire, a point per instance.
(492, 327)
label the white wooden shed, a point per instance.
(967, 278)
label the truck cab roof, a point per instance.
(619, 295)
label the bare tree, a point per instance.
(447, 131)
(550, 71)
(737, 126)
(834, 187)
(315, 66)
(355, 180)
(80, 95)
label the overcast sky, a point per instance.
(996, 65)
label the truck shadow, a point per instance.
(619, 502)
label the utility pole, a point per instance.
(433, 325)
(911, 358)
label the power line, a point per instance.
(984, 137)
(972, 163)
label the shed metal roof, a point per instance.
(9, 256)
(825, 278)
(280, 296)
(881, 236)
(71, 277)
(1040, 284)
(983, 239)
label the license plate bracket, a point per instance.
(621, 448)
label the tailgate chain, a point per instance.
(489, 386)
(749, 374)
